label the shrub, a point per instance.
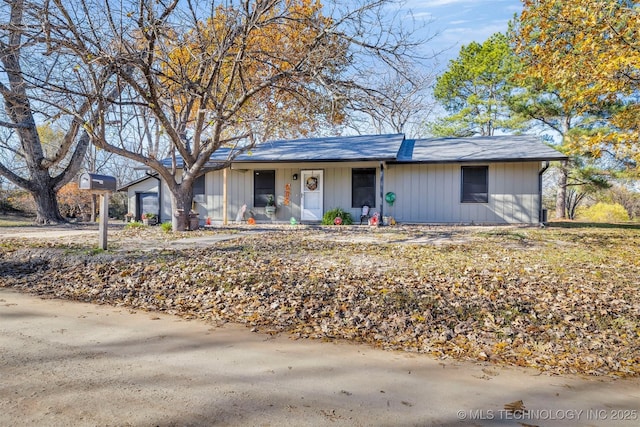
(73, 202)
(604, 212)
(21, 201)
(166, 227)
(134, 224)
(329, 217)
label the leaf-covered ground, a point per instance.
(561, 300)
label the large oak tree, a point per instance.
(222, 74)
(29, 77)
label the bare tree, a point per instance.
(223, 75)
(26, 72)
(399, 103)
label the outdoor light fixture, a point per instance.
(295, 177)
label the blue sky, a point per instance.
(459, 22)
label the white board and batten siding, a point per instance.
(431, 193)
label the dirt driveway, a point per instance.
(66, 363)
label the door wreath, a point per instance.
(312, 183)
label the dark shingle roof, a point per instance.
(477, 149)
(329, 149)
(393, 148)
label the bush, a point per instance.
(72, 201)
(604, 212)
(330, 216)
(166, 227)
(21, 201)
(134, 224)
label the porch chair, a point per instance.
(364, 215)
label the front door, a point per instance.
(312, 195)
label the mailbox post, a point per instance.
(102, 185)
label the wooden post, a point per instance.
(103, 185)
(104, 219)
(224, 196)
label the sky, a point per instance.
(459, 22)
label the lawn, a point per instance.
(15, 220)
(560, 299)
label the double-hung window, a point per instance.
(198, 186)
(475, 184)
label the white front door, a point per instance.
(312, 195)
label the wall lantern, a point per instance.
(295, 176)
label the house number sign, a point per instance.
(287, 194)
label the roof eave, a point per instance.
(487, 160)
(362, 159)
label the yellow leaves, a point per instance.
(584, 50)
(500, 347)
(516, 407)
(232, 61)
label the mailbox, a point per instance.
(95, 182)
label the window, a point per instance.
(475, 188)
(198, 185)
(363, 187)
(264, 185)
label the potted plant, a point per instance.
(149, 218)
(194, 221)
(270, 209)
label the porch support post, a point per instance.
(224, 196)
(104, 220)
(381, 193)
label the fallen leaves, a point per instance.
(558, 300)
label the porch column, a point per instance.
(224, 196)
(382, 164)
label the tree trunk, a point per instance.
(561, 196)
(181, 200)
(47, 209)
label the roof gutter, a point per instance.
(541, 217)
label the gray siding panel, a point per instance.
(425, 193)
(337, 189)
(430, 193)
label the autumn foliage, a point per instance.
(588, 52)
(218, 68)
(72, 201)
